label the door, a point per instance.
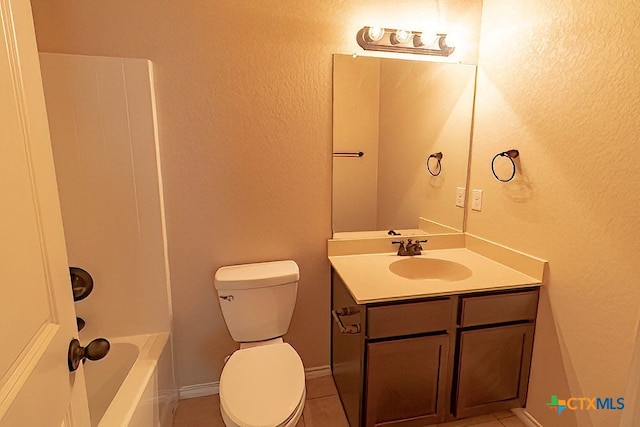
(37, 316)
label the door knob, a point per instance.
(95, 350)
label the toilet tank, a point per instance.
(257, 300)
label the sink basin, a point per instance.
(430, 268)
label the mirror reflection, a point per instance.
(401, 133)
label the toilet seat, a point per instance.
(262, 386)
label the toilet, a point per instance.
(263, 382)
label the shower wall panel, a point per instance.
(103, 132)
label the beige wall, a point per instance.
(559, 81)
(244, 107)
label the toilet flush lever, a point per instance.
(227, 297)
(348, 311)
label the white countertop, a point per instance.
(369, 279)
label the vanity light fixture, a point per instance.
(403, 41)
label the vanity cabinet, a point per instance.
(424, 361)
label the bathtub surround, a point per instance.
(103, 134)
(557, 78)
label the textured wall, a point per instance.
(559, 81)
(244, 107)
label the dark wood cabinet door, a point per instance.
(405, 381)
(493, 369)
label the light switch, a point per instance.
(476, 200)
(460, 197)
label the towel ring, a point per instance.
(438, 157)
(511, 155)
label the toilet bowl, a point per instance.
(263, 383)
(263, 386)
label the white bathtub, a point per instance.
(133, 385)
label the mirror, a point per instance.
(391, 119)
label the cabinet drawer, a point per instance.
(408, 319)
(511, 307)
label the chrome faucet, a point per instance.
(412, 248)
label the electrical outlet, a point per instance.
(460, 197)
(476, 200)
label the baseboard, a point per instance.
(317, 372)
(526, 417)
(207, 389)
(198, 390)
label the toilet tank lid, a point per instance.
(257, 275)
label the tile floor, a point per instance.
(322, 409)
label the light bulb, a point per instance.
(452, 40)
(403, 36)
(375, 33)
(424, 39)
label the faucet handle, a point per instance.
(417, 247)
(401, 249)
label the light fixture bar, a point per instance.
(402, 41)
